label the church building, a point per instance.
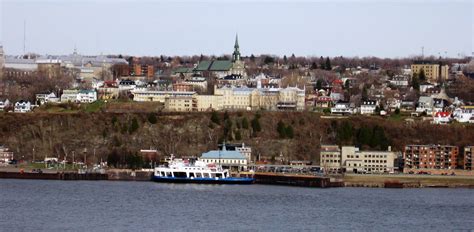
(223, 68)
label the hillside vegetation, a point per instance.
(291, 135)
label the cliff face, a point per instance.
(193, 133)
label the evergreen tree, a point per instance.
(285, 59)
(252, 58)
(345, 132)
(422, 75)
(215, 118)
(226, 115)
(415, 83)
(227, 128)
(245, 123)
(133, 126)
(256, 125)
(281, 128)
(152, 118)
(364, 135)
(322, 65)
(397, 111)
(289, 131)
(365, 94)
(238, 135)
(319, 84)
(314, 65)
(328, 64)
(114, 120)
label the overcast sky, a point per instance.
(305, 28)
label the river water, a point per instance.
(41, 205)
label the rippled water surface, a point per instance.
(37, 205)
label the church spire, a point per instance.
(236, 46)
(236, 54)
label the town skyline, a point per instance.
(195, 32)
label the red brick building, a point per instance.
(468, 156)
(430, 157)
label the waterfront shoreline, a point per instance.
(348, 180)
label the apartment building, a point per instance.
(430, 157)
(468, 156)
(433, 72)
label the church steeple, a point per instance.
(236, 54)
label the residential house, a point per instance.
(425, 104)
(342, 108)
(425, 86)
(4, 104)
(43, 98)
(463, 113)
(400, 81)
(368, 107)
(79, 96)
(323, 101)
(22, 106)
(5, 155)
(442, 117)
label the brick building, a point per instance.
(430, 157)
(468, 157)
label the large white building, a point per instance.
(225, 158)
(79, 96)
(351, 159)
(244, 98)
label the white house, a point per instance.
(425, 86)
(342, 108)
(43, 98)
(22, 106)
(464, 113)
(87, 96)
(4, 104)
(225, 158)
(368, 107)
(425, 104)
(399, 80)
(79, 96)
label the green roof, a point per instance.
(216, 65)
(203, 65)
(221, 65)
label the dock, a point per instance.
(54, 176)
(293, 180)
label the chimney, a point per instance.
(389, 148)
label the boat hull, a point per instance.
(230, 180)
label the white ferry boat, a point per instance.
(194, 171)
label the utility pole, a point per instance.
(24, 37)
